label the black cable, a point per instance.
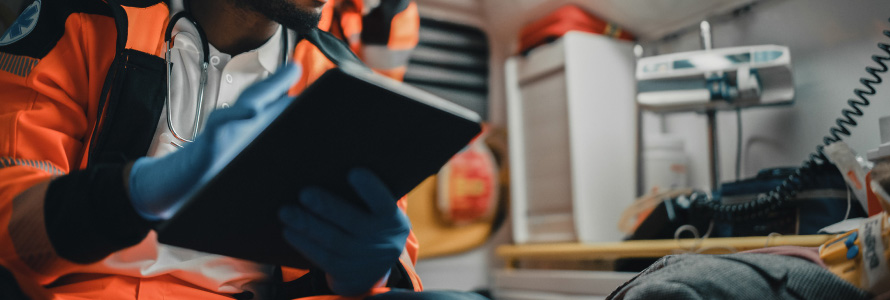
(738, 144)
(777, 198)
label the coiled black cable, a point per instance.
(766, 203)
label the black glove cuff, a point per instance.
(89, 216)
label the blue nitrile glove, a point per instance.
(354, 243)
(158, 185)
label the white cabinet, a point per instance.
(571, 119)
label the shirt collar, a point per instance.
(269, 54)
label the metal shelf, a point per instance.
(650, 248)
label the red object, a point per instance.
(562, 20)
(874, 205)
(468, 185)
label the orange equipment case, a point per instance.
(565, 19)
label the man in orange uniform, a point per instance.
(89, 159)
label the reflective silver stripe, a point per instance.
(383, 58)
(37, 164)
(17, 64)
(354, 38)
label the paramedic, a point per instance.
(83, 88)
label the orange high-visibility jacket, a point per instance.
(82, 86)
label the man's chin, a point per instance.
(302, 24)
(293, 17)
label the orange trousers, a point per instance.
(166, 287)
(83, 287)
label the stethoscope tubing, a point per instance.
(205, 53)
(205, 63)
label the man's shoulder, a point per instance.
(42, 23)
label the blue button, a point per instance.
(852, 252)
(851, 239)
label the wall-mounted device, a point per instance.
(709, 80)
(724, 78)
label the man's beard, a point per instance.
(284, 13)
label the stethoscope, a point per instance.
(205, 51)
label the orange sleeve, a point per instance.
(404, 31)
(49, 104)
(383, 38)
(404, 36)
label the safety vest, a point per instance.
(83, 84)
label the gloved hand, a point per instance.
(354, 243)
(158, 185)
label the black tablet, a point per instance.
(347, 118)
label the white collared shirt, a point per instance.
(227, 77)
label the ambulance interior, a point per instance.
(567, 118)
(606, 119)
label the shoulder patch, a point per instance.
(42, 24)
(23, 25)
